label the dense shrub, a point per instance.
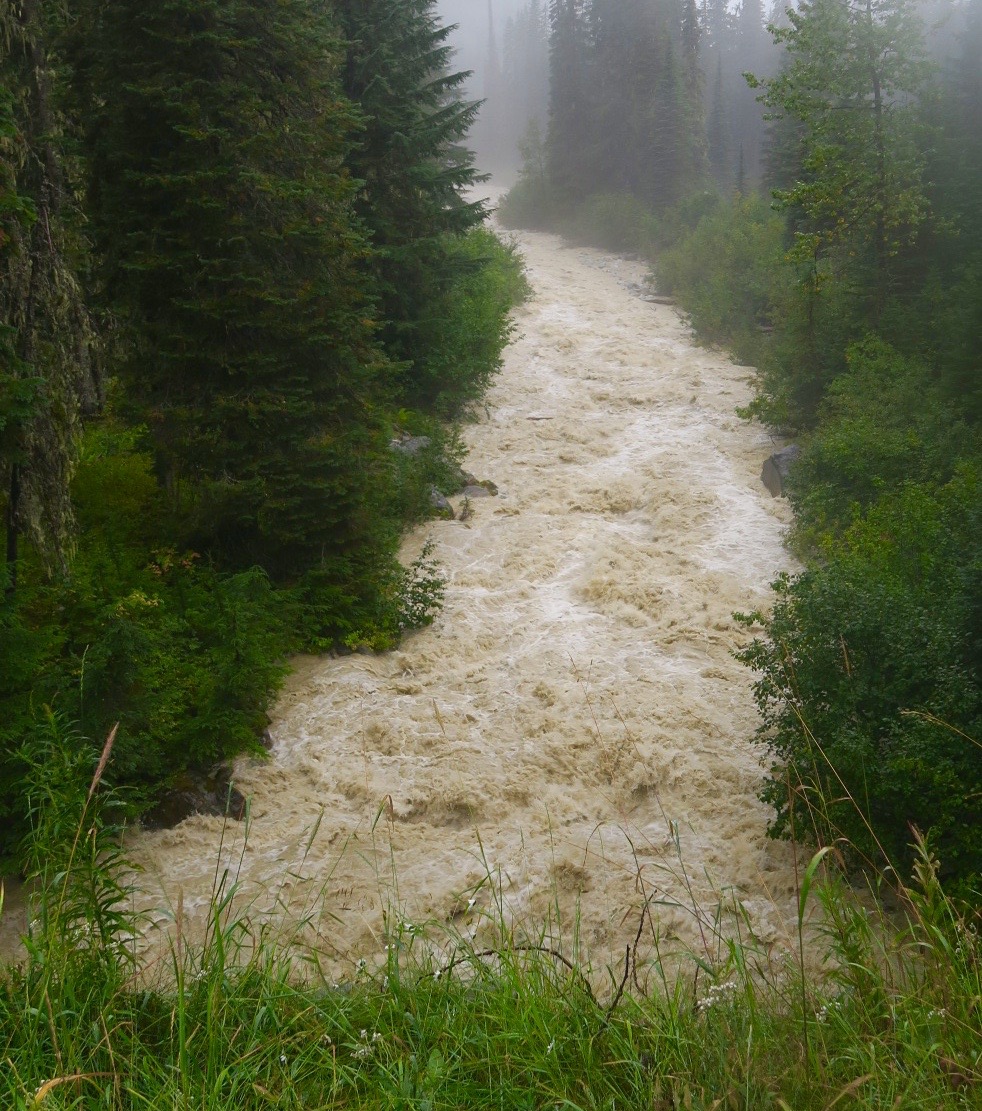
(726, 271)
(467, 328)
(613, 222)
(869, 683)
(528, 204)
(884, 423)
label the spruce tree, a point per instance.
(222, 207)
(852, 76)
(48, 375)
(571, 111)
(414, 174)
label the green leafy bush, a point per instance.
(725, 273)
(528, 204)
(884, 423)
(184, 657)
(613, 222)
(467, 327)
(869, 684)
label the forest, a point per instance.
(809, 192)
(239, 267)
(251, 309)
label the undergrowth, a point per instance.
(888, 1018)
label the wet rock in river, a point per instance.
(774, 474)
(231, 800)
(188, 796)
(441, 506)
(214, 795)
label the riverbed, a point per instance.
(571, 740)
(566, 753)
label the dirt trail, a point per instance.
(574, 722)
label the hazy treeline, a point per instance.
(236, 263)
(601, 58)
(826, 224)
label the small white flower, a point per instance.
(717, 993)
(282, 1058)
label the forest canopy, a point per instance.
(238, 263)
(809, 191)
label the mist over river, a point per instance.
(573, 723)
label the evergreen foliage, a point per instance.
(49, 376)
(852, 76)
(625, 108)
(413, 174)
(221, 203)
(243, 217)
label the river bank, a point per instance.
(573, 725)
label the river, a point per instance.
(571, 737)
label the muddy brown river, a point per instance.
(571, 737)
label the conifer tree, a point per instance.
(47, 374)
(753, 53)
(718, 130)
(523, 97)
(571, 128)
(414, 174)
(221, 204)
(852, 76)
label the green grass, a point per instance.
(876, 1011)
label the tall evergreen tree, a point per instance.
(956, 172)
(523, 95)
(852, 77)
(570, 109)
(414, 173)
(626, 111)
(753, 53)
(48, 376)
(221, 204)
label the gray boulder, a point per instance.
(410, 445)
(195, 793)
(774, 474)
(441, 506)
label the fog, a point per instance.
(503, 44)
(470, 39)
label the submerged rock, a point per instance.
(213, 795)
(774, 474)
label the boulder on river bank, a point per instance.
(774, 474)
(196, 793)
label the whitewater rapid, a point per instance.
(573, 725)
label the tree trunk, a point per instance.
(12, 507)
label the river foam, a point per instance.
(573, 725)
